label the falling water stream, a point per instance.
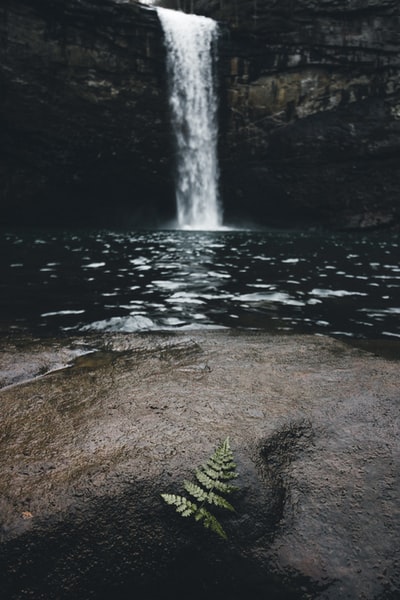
(190, 42)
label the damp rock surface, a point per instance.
(309, 113)
(311, 110)
(86, 451)
(83, 114)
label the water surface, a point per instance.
(337, 284)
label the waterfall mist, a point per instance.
(190, 42)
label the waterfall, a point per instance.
(190, 42)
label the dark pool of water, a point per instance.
(337, 284)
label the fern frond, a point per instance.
(229, 474)
(196, 491)
(225, 447)
(210, 522)
(218, 500)
(212, 475)
(206, 497)
(224, 452)
(222, 459)
(211, 484)
(220, 471)
(183, 506)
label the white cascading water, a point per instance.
(190, 42)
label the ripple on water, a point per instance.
(113, 281)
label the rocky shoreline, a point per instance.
(87, 450)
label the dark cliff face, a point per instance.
(310, 112)
(83, 113)
(312, 109)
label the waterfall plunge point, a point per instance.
(190, 43)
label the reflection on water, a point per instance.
(339, 284)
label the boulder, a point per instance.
(87, 450)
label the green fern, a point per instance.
(182, 505)
(211, 477)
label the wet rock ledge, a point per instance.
(86, 450)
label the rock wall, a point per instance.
(310, 112)
(85, 134)
(312, 109)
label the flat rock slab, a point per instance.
(86, 450)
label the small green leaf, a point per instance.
(183, 506)
(209, 483)
(210, 522)
(219, 501)
(195, 490)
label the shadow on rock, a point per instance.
(132, 545)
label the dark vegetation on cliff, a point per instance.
(310, 112)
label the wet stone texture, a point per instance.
(309, 113)
(311, 110)
(85, 452)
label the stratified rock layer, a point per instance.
(83, 113)
(85, 453)
(312, 109)
(310, 112)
